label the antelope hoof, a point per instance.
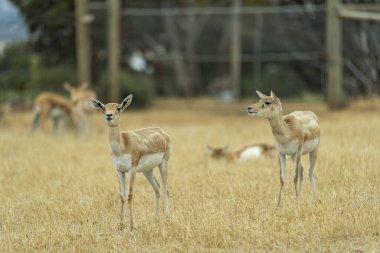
(122, 226)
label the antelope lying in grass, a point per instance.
(140, 150)
(296, 134)
(80, 98)
(49, 104)
(242, 153)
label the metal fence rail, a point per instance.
(274, 40)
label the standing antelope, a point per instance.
(296, 134)
(242, 153)
(81, 104)
(56, 106)
(140, 150)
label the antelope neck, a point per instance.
(277, 124)
(117, 146)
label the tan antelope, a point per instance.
(49, 104)
(81, 104)
(4, 110)
(242, 153)
(296, 134)
(140, 150)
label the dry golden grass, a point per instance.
(61, 193)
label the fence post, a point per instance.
(82, 42)
(114, 49)
(235, 50)
(334, 55)
(257, 48)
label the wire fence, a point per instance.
(281, 47)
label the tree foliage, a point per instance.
(51, 23)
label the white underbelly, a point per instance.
(252, 153)
(310, 145)
(146, 163)
(57, 112)
(292, 148)
(149, 162)
(287, 149)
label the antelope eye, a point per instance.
(118, 109)
(267, 103)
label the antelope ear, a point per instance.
(126, 102)
(67, 86)
(84, 85)
(261, 95)
(274, 96)
(98, 105)
(210, 148)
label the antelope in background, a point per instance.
(49, 104)
(296, 134)
(80, 99)
(140, 150)
(4, 110)
(242, 153)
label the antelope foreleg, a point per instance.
(131, 181)
(282, 162)
(123, 196)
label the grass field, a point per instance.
(60, 193)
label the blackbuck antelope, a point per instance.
(242, 153)
(57, 107)
(140, 150)
(296, 134)
(4, 110)
(80, 98)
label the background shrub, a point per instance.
(22, 75)
(140, 85)
(14, 72)
(283, 80)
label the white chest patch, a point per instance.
(251, 153)
(116, 147)
(148, 162)
(310, 145)
(122, 163)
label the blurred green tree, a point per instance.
(14, 67)
(51, 24)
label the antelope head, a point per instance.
(112, 110)
(266, 107)
(218, 153)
